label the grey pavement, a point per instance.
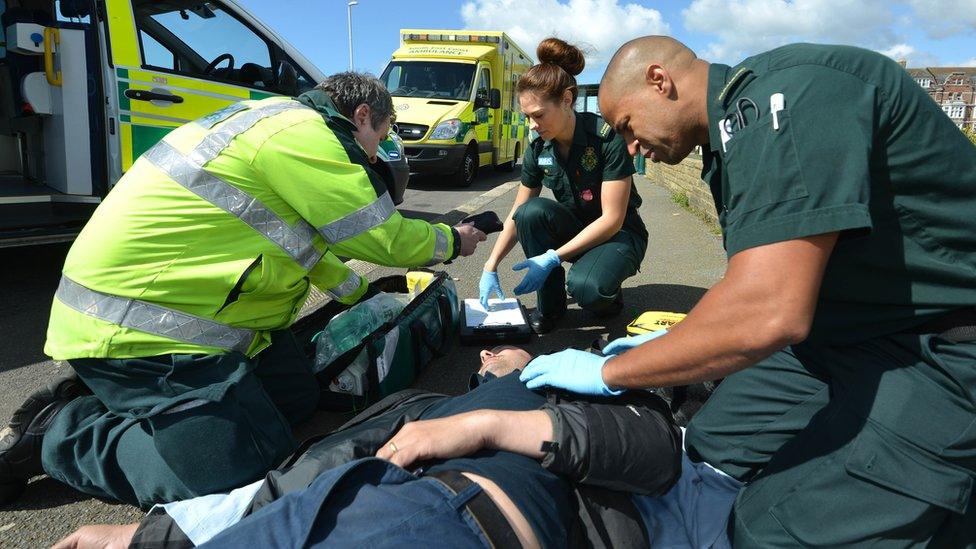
(683, 259)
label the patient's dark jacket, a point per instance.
(608, 448)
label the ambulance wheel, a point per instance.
(509, 166)
(468, 169)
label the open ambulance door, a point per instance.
(52, 120)
(177, 60)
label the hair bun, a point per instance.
(557, 52)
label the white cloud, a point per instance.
(746, 27)
(914, 57)
(599, 27)
(899, 51)
(942, 18)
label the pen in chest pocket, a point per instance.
(776, 104)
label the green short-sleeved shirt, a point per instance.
(598, 154)
(861, 149)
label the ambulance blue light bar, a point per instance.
(469, 38)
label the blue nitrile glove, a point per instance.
(622, 344)
(539, 268)
(573, 370)
(489, 283)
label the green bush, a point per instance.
(970, 133)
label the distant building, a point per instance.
(953, 88)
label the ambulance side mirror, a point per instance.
(495, 100)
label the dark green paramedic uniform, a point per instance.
(866, 432)
(596, 155)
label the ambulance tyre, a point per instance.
(509, 166)
(468, 169)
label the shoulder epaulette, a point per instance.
(597, 126)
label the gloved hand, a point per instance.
(573, 370)
(622, 344)
(539, 268)
(489, 283)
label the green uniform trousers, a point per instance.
(865, 444)
(595, 277)
(173, 427)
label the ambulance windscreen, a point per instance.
(430, 79)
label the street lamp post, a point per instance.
(349, 14)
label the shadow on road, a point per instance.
(27, 283)
(46, 493)
(487, 179)
(417, 214)
(579, 329)
(676, 298)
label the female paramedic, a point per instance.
(593, 221)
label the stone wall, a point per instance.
(685, 179)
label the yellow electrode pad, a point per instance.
(652, 321)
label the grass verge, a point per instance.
(681, 198)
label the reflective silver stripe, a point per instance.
(217, 117)
(153, 319)
(371, 215)
(347, 287)
(216, 141)
(440, 248)
(188, 171)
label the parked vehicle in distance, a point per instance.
(454, 93)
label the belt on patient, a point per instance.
(957, 326)
(486, 514)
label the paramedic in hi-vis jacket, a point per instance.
(175, 299)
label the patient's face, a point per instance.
(502, 360)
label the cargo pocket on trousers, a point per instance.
(221, 438)
(888, 489)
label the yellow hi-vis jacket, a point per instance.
(213, 236)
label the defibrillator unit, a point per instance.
(652, 321)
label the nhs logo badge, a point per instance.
(545, 161)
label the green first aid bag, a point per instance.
(389, 357)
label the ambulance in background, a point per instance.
(454, 93)
(86, 86)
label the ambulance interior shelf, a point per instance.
(47, 116)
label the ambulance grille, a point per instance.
(411, 132)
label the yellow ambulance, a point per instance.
(454, 93)
(86, 86)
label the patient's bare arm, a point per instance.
(464, 434)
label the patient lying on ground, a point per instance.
(500, 465)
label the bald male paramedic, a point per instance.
(845, 320)
(175, 300)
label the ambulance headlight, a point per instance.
(447, 129)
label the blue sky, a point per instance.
(926, 32)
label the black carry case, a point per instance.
(398, 350)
